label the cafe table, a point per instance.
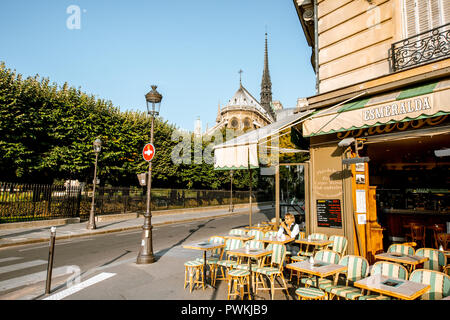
(318, 268)
(317, 243)
(393, 287)
(204, 246)
(409, 260)
(250, 254)
(276, 240)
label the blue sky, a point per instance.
(192, 50)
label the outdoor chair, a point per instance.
(259, 235)
(436, 258)
(237, 280)
(193, 270)
(388, 269)
(225, 264)
(401, 248)
(339, 245)
(439, 282)
(215, 256)
(237, 232)
(270, 233)
(273, 271)
(357, 269)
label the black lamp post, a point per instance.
(97, 147)
(145, 256)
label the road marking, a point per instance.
(24, 265)
(82, 285)
(35, 277)
(10, 259)
(56, 243)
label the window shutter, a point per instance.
(436, 15)
(445, 5)
(410, 18)
(423, 17)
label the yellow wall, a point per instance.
(354, 39)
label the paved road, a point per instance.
(103, 266)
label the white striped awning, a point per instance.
(242, 151)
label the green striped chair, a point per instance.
(357, 268)
(439, 282)
(237, 232)
(339, 245)
(401, 248)
(325, 256)
(193, 270)
(388, 269)
(310, 294)
(437, 259)
(215, 256)
(259, 235)
(237, 280)
(298, 257)
(231, 261)
(270, 233)
(273, 271)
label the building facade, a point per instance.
(381, 126)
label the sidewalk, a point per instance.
(20, 236)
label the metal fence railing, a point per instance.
(29, 202)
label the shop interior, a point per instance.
(412, 187)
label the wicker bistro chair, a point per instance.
(259, 235)
(389, 269)
(273, 271)
(231, 261)
(339, 245)
(270, 233)
(237, 232)
(215, 257)
(439, 282)
(437, 260)
(401, 248)
(357, 269)
(193, 270)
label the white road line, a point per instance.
(65, 293)
(56, 243)
(10, 259)
(24, 265)
(35, 277)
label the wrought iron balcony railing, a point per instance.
(420, 49)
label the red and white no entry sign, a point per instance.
(148, 152)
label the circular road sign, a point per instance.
(148, 152)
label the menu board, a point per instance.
(329, 213)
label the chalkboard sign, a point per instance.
(329, 213)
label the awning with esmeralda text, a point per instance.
(418, 102)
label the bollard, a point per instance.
(50, 260)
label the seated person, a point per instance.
(290, 229)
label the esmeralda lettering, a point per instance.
(397, 108)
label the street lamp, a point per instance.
(153, 99)
(97, 147)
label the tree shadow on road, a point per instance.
(162, 252)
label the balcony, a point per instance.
(425, 47)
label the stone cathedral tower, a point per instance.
(266, 85)
(243, 112)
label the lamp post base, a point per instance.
(91, 226)
(145, 259)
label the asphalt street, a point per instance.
(103, 266)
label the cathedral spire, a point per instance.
(266, 85)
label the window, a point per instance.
(234, 123)
(423, 15)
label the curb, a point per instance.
(95, 232)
